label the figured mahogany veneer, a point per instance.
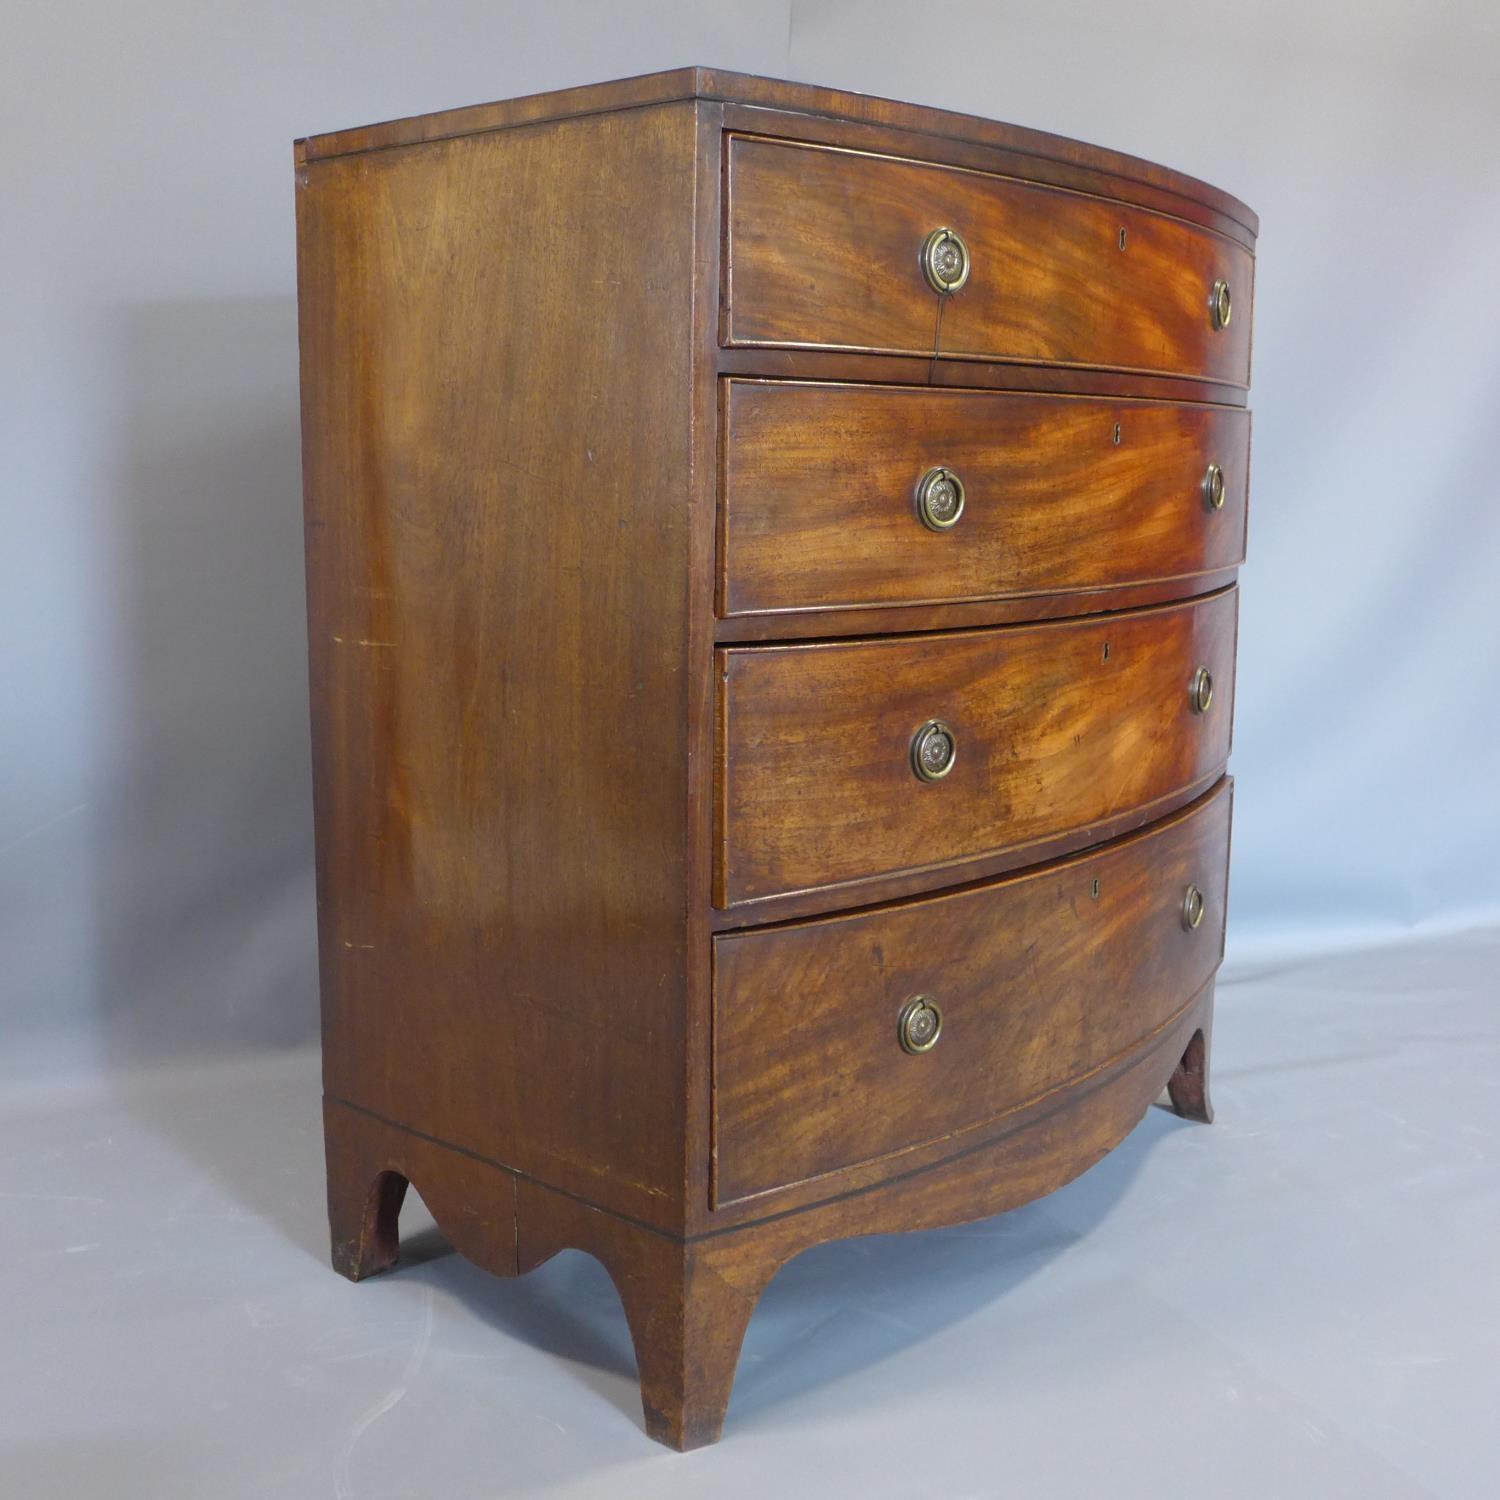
(1043, 978)
(1062, 494)
(1059, 727)
(820, 255)
(632, 905)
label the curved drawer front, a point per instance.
(1039, 980)
(1061, 493)
(1056, 727)
(825, 249)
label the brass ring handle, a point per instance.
(1213, 488)
(945, 261)
(934, 748)
(920, 1026)
(1193, 907)
(1221, 304)
(1202, 691)
(940, 499)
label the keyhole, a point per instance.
(1117, 434)
(1122, 237)
(1106, 651)
(1094, 889)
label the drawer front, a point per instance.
(1060, 493)
(1038, 980)
(825, 251)
(1056, 727)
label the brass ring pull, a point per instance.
(940, 499)
(1202, 691)
(1193, 907)
(1213, 488)
(1221, 304)
(934, 748)
(920, 1026)
(945, 261)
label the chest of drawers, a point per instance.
(772, 608)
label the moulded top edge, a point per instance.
(770, 93)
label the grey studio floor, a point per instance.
(1301, 1300)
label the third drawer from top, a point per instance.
(841, 763)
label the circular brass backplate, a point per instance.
(1193, 905)
(1221, 304)
(934, 749)
(920, 1025)
(945, 261)
(1202, 690)
(1213, 488)
(940, 499)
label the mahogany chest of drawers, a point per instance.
(771, 573)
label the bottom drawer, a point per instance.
(824, 1054)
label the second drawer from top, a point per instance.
(841, 496)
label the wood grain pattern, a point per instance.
(1088, 281)
(1053, 733)
(1041, 979)
(1062, 493)
(824, 251)
(500, 967)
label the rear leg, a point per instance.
(1188, 1086)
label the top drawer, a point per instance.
(825, 250)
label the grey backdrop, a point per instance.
(155, 835)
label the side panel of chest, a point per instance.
(498, 451)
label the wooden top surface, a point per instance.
(768, 93)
